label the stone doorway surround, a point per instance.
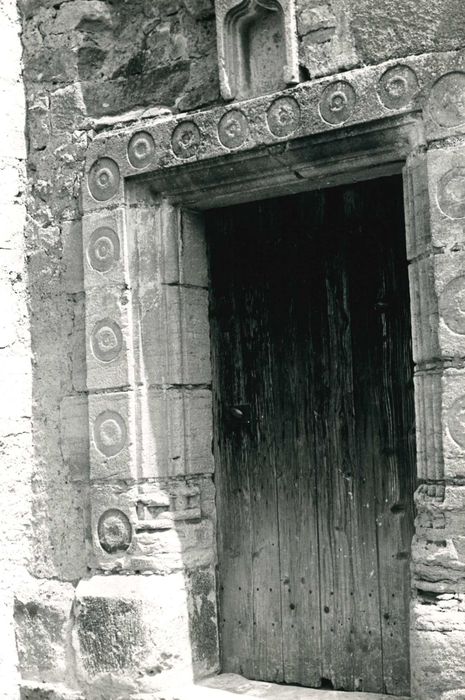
(148, 372)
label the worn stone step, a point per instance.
(226, 685)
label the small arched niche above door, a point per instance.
(257, 46)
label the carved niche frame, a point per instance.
(144, 192)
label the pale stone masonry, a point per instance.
(121, 123)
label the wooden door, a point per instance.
(314, 437)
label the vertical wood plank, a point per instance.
(362, 262)
(395, 467)
(254, 287)
(231, 451)
(336, 459)
(294, 306)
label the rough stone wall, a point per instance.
(348, 33)
(88, 65)
(15, 363)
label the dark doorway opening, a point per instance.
(314, 437)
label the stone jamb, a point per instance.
(146, 306)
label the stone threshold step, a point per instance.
(226, 685)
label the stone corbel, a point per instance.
(233, 17)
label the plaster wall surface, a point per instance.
(90, 66)
(16, 498)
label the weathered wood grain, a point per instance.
(310, 330)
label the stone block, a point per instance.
(47, 691)
(327, 45)
(200, 9)
(201, 586)
(131, 634)
(78, 343)
(112, 436)
(108, 338)
(171, 319)
(449, 288)
(193, 256)
(171, 245)
(106, 253)
(73, 272)
(440, 419)
(437, 650)
(437, 291)
(113, 522)
(197, 543)
(102, 182)
(444, 111)
(424, 310)
(156, 228)
(441, 516)
(42, 613)
(178, 432)
(71, 16)
(454, 694)
(175, 337)
(429, 425)
(198, 415)
(74, 430)
(446, 182)
(67, 109)
(160, 526)
(417, 205)
(437, 566)
(453, 419)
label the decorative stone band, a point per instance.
(108, 335)
(434, 83)
(108, 301)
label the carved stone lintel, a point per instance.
(239, 23)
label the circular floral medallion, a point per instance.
(456, 421)
(283, 116)
(104, 179)
(447, 100)
(110, 433)
(106, 340)
(103, 250)
(141, 149)
(114, 531)
(452, 305)
(337, 102)
(233, 129)
(451, 193)
(185, 140)
(397, 87)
